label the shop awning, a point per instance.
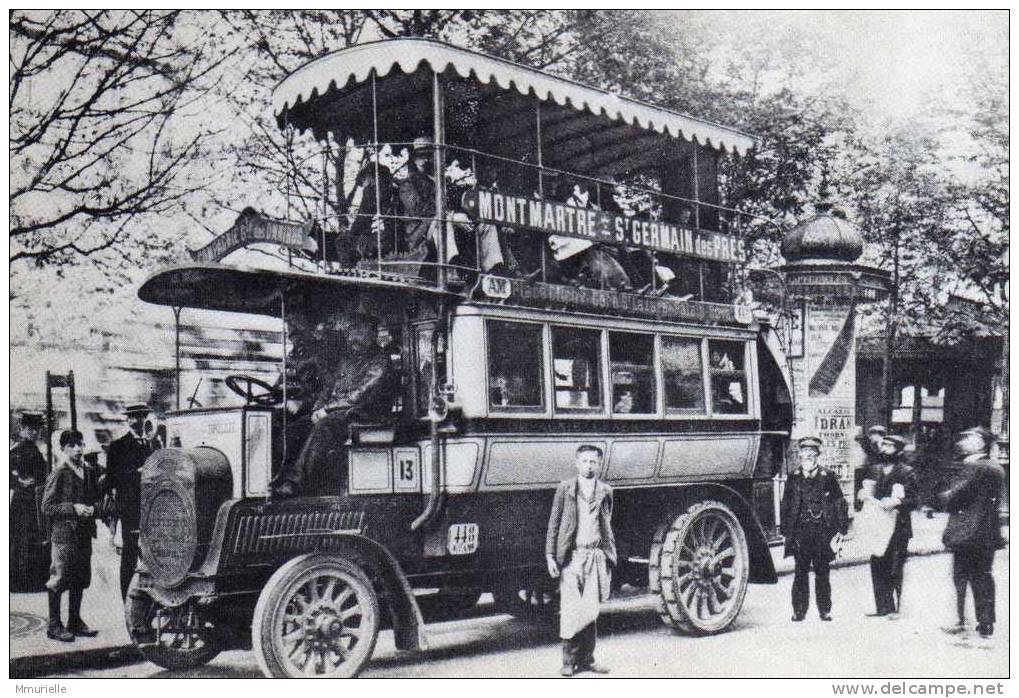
(353, 66)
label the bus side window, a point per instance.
(728, 377)
(631, 363)
(576, 361)
(681, 368)
(515, 352)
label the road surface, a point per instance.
(763, 642)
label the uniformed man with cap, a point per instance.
(813, 512)
(123, 479)
(973, 532)
(29, 560)
(895, 489)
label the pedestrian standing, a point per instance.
(28, 555)
(579, 550)
(973, 532)
(123, 479)
(894, 489)
(814, 512)
(70, 501)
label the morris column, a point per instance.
(825, 287)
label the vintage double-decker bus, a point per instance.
(605, 319)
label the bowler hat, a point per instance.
(138, 408)
(422, 144)
(31, 419)
(810, 442)
(897, 441)
(877, 429)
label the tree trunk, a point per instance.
(891, 328)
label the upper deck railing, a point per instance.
(359, 224)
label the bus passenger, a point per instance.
(582, 262)
(421, 236)
(369, 204)
(362, 386)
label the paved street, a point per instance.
(763, 643)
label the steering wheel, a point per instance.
(245, 387)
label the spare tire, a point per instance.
(181, 491)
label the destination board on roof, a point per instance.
(595, 225)
(251, 227)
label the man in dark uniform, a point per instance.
(895, 490)
(123, 478)
(28, 558)
(973, 532)
(361, 385)
(813, 512)
(70, 501)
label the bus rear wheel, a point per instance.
(318, 616)
(699, 569)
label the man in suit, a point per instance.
(895, 490)
(813, 511)
(123, 478)
(28, 558)
(973, 532)
(579, 549)
(70, 501)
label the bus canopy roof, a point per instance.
(351, 67)
(248, 290)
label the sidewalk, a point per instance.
(35, 655)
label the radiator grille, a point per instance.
(282, 533)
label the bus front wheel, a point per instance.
(699, 569)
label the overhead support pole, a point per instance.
(439, 127)
(541, 182)
(176, 351)
(375, 164)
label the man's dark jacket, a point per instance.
(973, 501)
(26, 461)
(900, 474)
(834, 510)
(562, 522)
(123, 474)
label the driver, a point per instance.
(361, 384)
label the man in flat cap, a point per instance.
(894, 488)
(29, 560)
(973, 532)
(123, 479)
(70, 500)
(813, 512)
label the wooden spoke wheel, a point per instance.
(699, 568)
(318, 616)
(173, 638)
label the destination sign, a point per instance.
(561, 297)
(251, 226)
(601, 226)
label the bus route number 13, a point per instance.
(407, 471)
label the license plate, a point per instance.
(463, 539)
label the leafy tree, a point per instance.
(97, 101)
